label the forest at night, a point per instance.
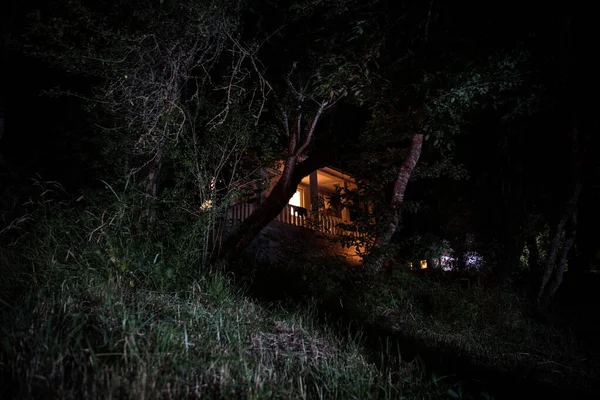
(332, 199)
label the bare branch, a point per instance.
(285, 121)
(311, 130)
(428, 21)
(324, 105)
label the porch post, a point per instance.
(345, 211)
(314, 192)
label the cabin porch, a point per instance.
(313, 205)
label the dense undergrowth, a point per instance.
(91, 307)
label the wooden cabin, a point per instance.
(313, 206)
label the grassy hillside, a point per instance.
(91, 306)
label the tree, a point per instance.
(297, 165)
(435, 113)
(400, 64)
(563, 234)
(176, 95)
(188, 89)
(166, 89)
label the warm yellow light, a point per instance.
(296, 199)
(423, 264)
(207, 205)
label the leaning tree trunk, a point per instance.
(293, 172)
(267, 211)
(393, 220)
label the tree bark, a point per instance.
(555, 244)
(557, 278)
(391, 224)
(534, 263)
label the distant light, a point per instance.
(447, 263)
(206, 205)
(473, 259)
(423, 264)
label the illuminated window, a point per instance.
(423, 264)
(296, 199)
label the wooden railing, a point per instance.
(332, 225)
(240, 212)
(291, 215)
(329, 224)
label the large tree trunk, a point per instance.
(513, 204)
(553, 269)
(293, 172)
(557, 277)
(267, 211)
(554, 246)
(391, 224)
(534, 263)
(292, 175)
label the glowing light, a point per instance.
(206, 205)
(296, 199)
(423, 264)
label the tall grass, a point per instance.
(94, 303)
(92, 306)
(96, 338)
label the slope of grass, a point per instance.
(88, 337)
(95, 305)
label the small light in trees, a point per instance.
(207, 204)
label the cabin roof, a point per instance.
(329, 177)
